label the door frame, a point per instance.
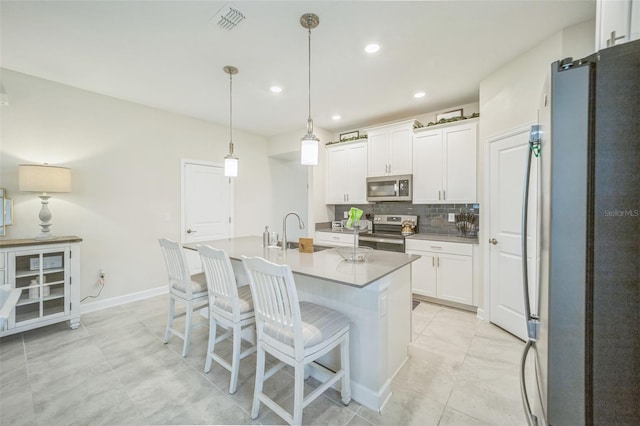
(485, 313)
(183, 226)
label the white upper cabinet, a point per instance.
(444, 164)
(390, 149)
(617, 21)
(347, 173)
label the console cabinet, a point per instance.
(48, 274)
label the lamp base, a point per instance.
(45, 217)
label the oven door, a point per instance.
(381, 243)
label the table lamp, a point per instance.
(44, 179)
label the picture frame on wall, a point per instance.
(449, 114)
(350, 135)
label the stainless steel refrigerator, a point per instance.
(585, 334)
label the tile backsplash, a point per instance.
(432, 218)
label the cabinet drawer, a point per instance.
(439, 247)
(334, 238)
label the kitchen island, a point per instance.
(375, 295)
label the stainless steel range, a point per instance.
(389, 232)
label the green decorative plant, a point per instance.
(355, 138)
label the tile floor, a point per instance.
(115, 370)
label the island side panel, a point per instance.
(380, 329)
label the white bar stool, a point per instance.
(230, 306)
(295, 333)
(184, 287)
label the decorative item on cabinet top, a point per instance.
(348, 137)
(446, 118)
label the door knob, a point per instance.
(493, 241)
(190, 231)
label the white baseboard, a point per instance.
(121, 300)
(482, 315)
(365, 396)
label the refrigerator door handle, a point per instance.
(533, 323)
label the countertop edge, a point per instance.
(444, 238)
(34, 242)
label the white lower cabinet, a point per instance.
(334, 239)
(444, 271)
(48, 275)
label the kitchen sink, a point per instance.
(295, 245)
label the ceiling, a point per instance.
(170, 54)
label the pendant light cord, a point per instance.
(230, 114)
(309, 122)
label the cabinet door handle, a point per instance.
(439, 195)
(433, 261)
(444, 194)
(614, 38)
(189, 231)
(438, 262)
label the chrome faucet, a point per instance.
(284, 228)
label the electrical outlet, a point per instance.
(452, 217)
(346, 215)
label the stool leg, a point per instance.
(344, 364)
(298, 393)
(257, 392)
(172, 309)
(235, 358)
(187, 329)
(212, 343)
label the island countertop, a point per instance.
(325, 264)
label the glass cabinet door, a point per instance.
(43, 279)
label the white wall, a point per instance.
(509, 99)
(309, 189)
(125, 162)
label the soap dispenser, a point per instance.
(265, 237)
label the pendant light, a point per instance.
(309, 143)
(230, 162)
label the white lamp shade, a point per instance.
(309, 152)
(36, 178)
(230, 166)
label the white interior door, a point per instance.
(206, 209)
(507, 172)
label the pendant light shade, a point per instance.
(230, 166)
(230, 162)
(309, 143)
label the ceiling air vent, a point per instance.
(228, 17)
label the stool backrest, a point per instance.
(221, 281)
(275, 299)
(177, 269)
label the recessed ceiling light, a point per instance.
(372, 48)
(419, 95)
(276, 89)
(336, 117)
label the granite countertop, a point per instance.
(446, 238)
(325, 264)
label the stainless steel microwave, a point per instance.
(390, 188)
